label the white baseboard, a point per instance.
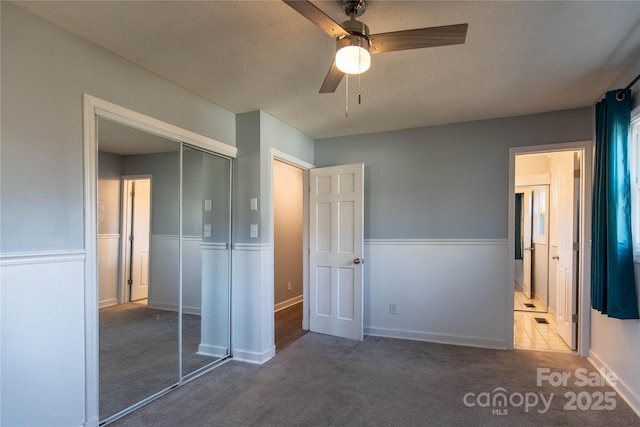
(436, 338)
(93, 422)
(212, 350)
(174, 307)
(253, 357)
(108, 302)
(620, 386)
(288, 303)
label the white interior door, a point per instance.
(527, 244)
(139, 230)
(336, 250)
(567, 261)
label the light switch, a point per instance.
(254, 231)
(207, 230)
(254, 204)
(207, 205)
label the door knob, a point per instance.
(556, 257)
(358, 261)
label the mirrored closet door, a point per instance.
(163, 264)
(206, 234)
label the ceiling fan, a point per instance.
(354, 43)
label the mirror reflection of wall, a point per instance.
(205, 261)
(139, 175)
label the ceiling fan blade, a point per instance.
(419, 38)
(318, 17)
(333, 79)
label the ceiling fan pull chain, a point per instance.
(359, 74)
(346, 108)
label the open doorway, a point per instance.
(549, 231)
(532, 277)
(288, 214)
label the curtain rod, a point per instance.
(620, 93)
(630, 85)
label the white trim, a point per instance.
(254, 357)
(435, 338)
(251, 246)
(143, 122)
(176, 237)
(528, 180)
(90, 145)
(432, 242)
(169, 306)
(108, 302)
(288, 303)
(214, 246)
(584, 275)
(165, 236)
(289, 159)
(212, 350)
(626, 392)
(41, 257)
(108, 236)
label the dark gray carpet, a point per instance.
(139, 353)
(325, 381)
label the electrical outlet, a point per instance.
(393, 308)
(289, 286)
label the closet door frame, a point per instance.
(93, 108)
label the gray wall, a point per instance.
(446, 181)
(246, 176)
(109, 200)
(164, 169)
(45, 71)
(257, 134)
(216, 175)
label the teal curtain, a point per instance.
(613, 287)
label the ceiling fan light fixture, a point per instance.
(352, 56)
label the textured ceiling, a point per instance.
(519, 57)
(116, 138)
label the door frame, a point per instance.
(305, 167)
(584, 272)
(123, 295)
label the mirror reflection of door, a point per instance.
(137, 223)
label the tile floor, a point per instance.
(529, 334)
(519, 300)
